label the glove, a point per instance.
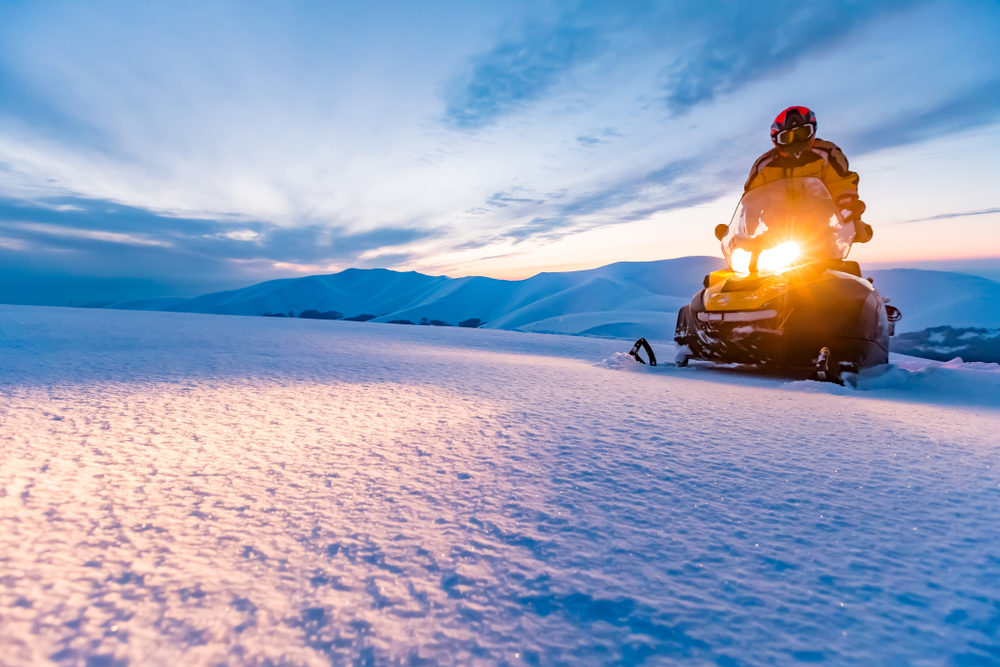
(862, 232)
(851, 208)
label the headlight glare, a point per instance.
(740, 261)
(779, 258)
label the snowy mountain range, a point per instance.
(626, 299)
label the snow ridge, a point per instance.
(626, 299)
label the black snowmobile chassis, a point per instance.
(835, 326)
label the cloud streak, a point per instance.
(958, 214)
(975, 106)
(516, 72)
(89, 234)
(758, 40)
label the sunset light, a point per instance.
(562, 139)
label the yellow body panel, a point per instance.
(719, 276)
(761, 289)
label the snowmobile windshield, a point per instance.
(785, 224)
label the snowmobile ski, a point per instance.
(643, 344)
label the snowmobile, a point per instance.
(790, 300)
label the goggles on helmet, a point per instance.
(794, 135)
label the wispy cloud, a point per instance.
(677, 184)
(107, 222)
(90, 234)
(246, 235)
(757, 40)
(505, 199)
(517, 71)
(957, 214)
(975, 106)
(13, 244)
(596, 138)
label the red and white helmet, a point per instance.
(794, 130)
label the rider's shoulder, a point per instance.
(765, 159)
(826, 146)
(831, 153)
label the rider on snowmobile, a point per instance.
(798, 152)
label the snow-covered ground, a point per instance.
(199, 489)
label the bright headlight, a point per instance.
(740, 261)
(778, 258)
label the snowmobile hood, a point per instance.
(729, 291)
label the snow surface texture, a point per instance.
(625, 300)
(190, 489)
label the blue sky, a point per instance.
(175, 148)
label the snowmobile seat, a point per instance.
(844, 265)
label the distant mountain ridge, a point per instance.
(625, 299)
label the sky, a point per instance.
(171, 149)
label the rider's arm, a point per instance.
(842, 182)
(756, 177)
(843, 186)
